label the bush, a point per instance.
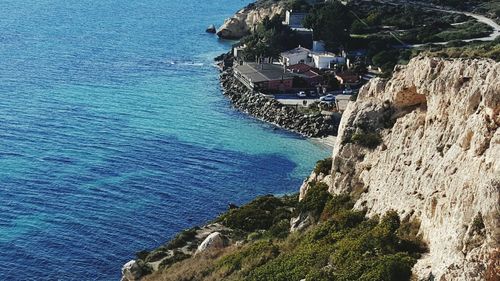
(346, 246)
(260, 214)
(369, 140)
(249, 257)
(335, 204)
(177, 242)
(315, 200)
(178, 256)
(323, 166)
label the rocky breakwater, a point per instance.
(426, 144)
(270, 110)
(241, 24)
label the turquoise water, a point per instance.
(114, 134)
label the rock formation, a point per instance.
(213, 241)
(131, 271)
(243, 21)
(211, 29)
(426, 144)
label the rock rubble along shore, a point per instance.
(270, 110)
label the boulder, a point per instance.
(301, 222)
(211, 29)
(213, 241)
(131, 271)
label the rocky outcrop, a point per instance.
(270, 110)
(242, 23)
(426, 144)
(211, 29)
(204, 239)
(132, 271)
(213, 241)
(313, 178)
(301, 222)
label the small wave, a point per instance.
(185, 63)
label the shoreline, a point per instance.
(328, 141)
(271, 111)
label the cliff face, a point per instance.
(437, 159)
(244, 20)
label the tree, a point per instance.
(331, 23)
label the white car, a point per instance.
(347, 91)
(328, 97)
(301, 94)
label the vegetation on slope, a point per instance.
(269, 39)
(380, 29)
(343, 245)
(467, 50)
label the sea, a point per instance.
(114, 134)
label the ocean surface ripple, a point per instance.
(114, 135)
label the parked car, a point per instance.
(347, 91)
(301, 94)
(328, 97)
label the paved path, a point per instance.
(479, 18)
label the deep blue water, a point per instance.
(114, 134)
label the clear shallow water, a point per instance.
(114, 135)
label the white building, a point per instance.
(238, 50)
(295, 56)
(327, 60)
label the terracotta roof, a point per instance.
(311, 74)
(348, 77)
(299, 68)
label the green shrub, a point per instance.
(180, 240)
(281, 229)
(335, 204)
(315, 200)
(260, 214)
(248, 258)
(178, 256)
(369, 140)
(142, 255)
(346, 246)
(323, 166)
(478, 223)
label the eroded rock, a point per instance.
(439, 156)
(213, 241)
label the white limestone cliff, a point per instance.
(243, 21)
(438, 160)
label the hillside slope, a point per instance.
(426, 144)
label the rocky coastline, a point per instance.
(270, 110)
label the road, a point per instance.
(479, 18)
